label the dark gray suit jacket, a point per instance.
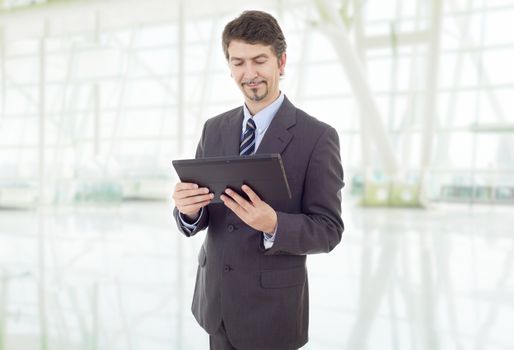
(262, 295)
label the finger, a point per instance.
(180, 186)
(232, 205)
(190, 193)
(195, 199)
(193, 208)
(254, 198)
(239, 200)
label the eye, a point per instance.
(260, 62)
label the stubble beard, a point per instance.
(254, 95)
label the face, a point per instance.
(256, 70)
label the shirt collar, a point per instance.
(264, 117)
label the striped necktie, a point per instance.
(248, 144)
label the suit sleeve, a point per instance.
(203, 220)
(318, 229)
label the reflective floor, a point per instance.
(121, 278)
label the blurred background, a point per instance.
(98, 97)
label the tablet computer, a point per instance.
(265, 174)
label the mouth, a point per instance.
(253, 85)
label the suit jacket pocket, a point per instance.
(202, 257)
(283, 278)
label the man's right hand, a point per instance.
(189, 199)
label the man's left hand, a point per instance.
(255, 213)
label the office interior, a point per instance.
(98, 97)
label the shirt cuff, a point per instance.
(268, 239)
(190, 227)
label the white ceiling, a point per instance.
(79, 16)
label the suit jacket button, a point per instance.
(230, 228)
(226, 268)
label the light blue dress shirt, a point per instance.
(262, 121)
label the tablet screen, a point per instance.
(265, 174)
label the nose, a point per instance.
(250, 72)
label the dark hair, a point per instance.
(255, 27)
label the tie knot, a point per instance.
(250, 124)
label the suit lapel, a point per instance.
(277, 137)
(232, 133)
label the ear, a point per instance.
(282, 63)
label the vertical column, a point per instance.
(430, 340)
(179, 246)
(3, 308)
(43, 324)
(479, 92)
(181, 74)
(2, 72)
(432, 69)
(42, 115)
(96, 94)
(361, 54)
(96, 121)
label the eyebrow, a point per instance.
(262, 55)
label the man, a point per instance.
(251, 286)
